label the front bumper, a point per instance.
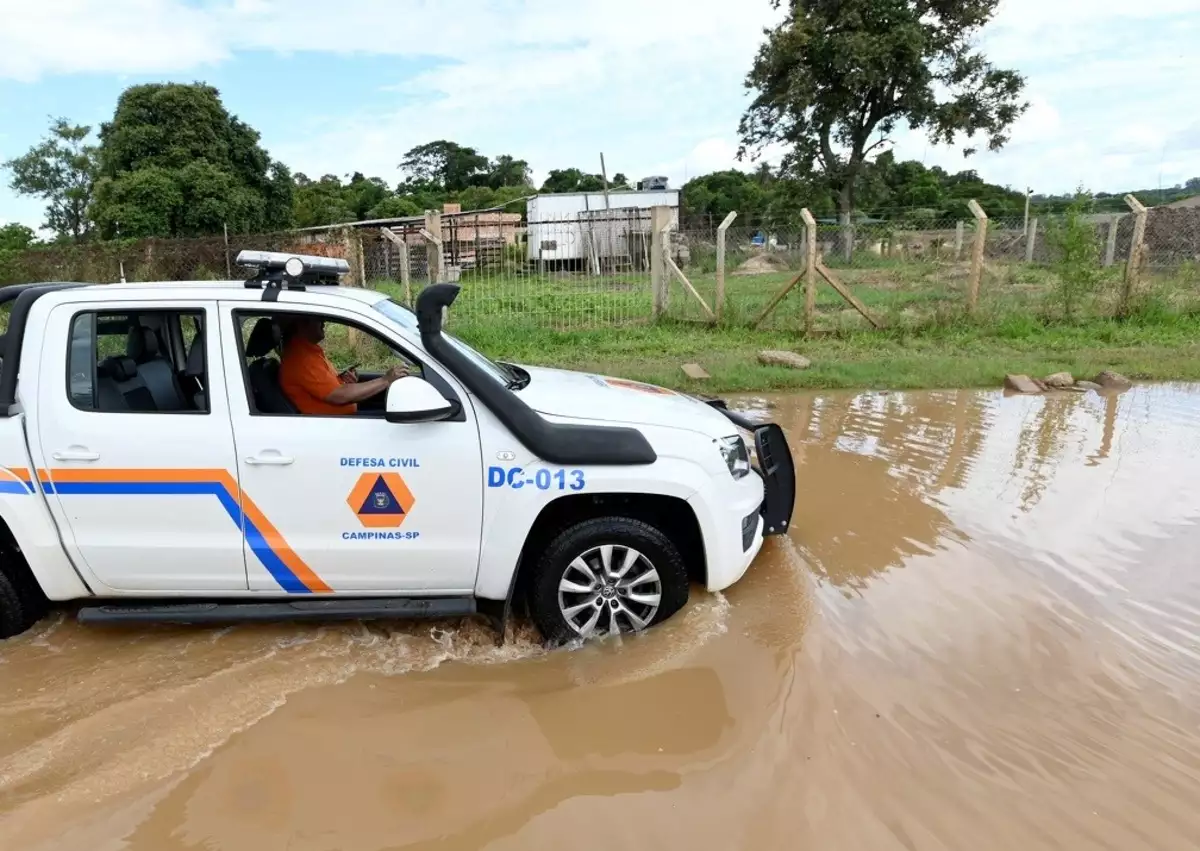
(775, 465)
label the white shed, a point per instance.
(560, 224)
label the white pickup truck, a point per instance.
(152, 467)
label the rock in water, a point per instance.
(1059, 380)
(1021, 384)
(1088, 385)
(1110, 380)
(777, 358)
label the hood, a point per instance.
(585, 396)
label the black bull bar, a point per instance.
(775, 465)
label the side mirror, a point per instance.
(414, 400)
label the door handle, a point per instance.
(76, 453)
(270, 458)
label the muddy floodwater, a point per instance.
(982, 633)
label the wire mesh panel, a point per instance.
(593, 268)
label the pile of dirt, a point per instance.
(761, 264)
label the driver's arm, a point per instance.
(359, 391)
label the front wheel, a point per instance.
(606, 575)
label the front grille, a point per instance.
(749, 526)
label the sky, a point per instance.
(657, 85)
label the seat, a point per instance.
(156, 371)
(263, 371)
(120, 388)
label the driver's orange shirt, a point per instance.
(306, 377)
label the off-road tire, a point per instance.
(22, 603)
(543, 598)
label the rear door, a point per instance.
(137, 449)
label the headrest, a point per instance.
(264, 338)
(118, 368)
(141, 344)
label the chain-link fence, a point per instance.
(909, 270)
(566, 272)
(601, 268)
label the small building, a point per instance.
(603, 230)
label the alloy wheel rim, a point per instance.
(609, 589)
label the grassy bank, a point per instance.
(957, 355)
(928, 340)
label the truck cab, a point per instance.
(153, 466)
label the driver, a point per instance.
(310, 381)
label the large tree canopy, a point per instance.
(62, 171)
(836, 77)
(174, 162)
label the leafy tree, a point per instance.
(62, 171)
(619, 181)
(203, 168)
(320, 202)
(16, 237)
(721, 192)
(363, 194)
(443, 166)
(836, 74)
(572, 180)
(484, 197)
(395, 207)
(506, 171)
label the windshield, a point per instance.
(407, 320)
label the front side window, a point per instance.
(316, 365)
(138, 362)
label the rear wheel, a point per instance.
(606, 575)
(22, 602)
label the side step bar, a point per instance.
(232, 611)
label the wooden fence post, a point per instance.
(433, 245)
(719, 307)
(958, 239)
(1133, 268)
(401, 244)
(981, 223)
(810, 269)
(1031, 239)
(1110, 247)
(660, 220)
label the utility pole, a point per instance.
(604, 176)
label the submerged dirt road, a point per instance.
(983, 633)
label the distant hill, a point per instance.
(1114, 202)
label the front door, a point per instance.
(135, 446)
(353, 503)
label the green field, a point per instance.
(928, 340)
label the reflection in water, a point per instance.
(983, 632)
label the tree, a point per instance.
(836, 74)
(320, 202)
(619, 181)
(61, 170)
(16, 237)
(443, 166)
(506, 171)
(572, 180)
(721, 192)
(174, 162)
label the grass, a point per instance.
(928, 340)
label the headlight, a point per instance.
(733, 449)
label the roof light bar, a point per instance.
(279, 269)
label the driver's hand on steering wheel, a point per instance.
(397, 372)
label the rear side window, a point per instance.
(142, 362)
